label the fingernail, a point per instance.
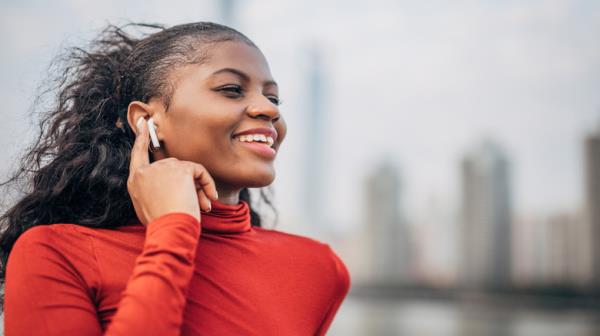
(209, 208)
(217, 194)
(139, 123)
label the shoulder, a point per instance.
(320, 255)
(52, 235)
(53, 245)
(63, 250)
(292, 240)
(71, 235)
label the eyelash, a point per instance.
(236, 89)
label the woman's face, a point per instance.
(232, 92)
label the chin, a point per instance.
(259, 180)
(260, 183)
(249, 178)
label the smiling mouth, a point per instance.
(257, 139)
(262, 149)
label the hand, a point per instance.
(168, 185)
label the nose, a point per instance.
(263, 108)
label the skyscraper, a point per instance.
(315, 166)
(592, 179)
(390, 243)
(486, 218)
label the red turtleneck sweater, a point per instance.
(223, 277)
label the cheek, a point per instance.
(281, 128)
(202, 139)
(199, 123)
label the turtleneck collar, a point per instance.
(223, 218)
(226, 218)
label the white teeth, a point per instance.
(258, 138)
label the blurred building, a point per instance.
(227, 12)
(550, 250)
(388, 234)
(527, 250)
(486, 220)
(565, 258)
(592, 182)
(316, 142)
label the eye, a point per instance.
(275, 100)
(233, 91)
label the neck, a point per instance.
(230, 198)
(227, 195)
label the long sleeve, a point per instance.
(46, 294)
(342, 286)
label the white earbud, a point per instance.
(152, 130)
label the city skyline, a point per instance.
(496, 248)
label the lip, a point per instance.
(259, 130)
(259, 148)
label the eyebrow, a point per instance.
(243, 75)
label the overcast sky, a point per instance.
(420, 82)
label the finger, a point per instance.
(204, 201)
(139, 152)
(206, 182)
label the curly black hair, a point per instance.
(76, 170)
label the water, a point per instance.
(420, 317)
(411, 317)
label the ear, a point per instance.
(137, 109)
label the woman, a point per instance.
(113, 238)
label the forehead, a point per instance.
(238, 55)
